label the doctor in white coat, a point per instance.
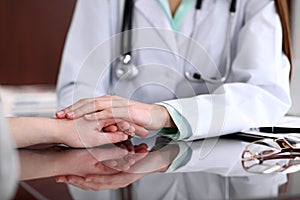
(250, 53)
(254, 93)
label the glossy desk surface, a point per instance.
(152, 168)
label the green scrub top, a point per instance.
(181, 12)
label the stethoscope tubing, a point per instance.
(197, 77)
(123, 72)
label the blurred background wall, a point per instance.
(32, 35)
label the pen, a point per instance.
(277, 129)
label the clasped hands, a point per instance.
(115, 119)
(101, 168)
(112, 169)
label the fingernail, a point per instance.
(88, 116)
(88, 180)
(125, 137)
(59, 180)
(71, 114)
(60, 112)
(131, 134)
(100, 129)
(71, 181)
(124, 152)
(125, 167)
(131, 161)
(113, 163)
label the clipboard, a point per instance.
(262, 133)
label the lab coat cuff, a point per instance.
(183, 130)
(182, 158)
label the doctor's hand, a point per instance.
(149, 116)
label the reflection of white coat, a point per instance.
(194, 185)
(218, 175)
(214, 173)
(200, 185)
(223, 177)
(256, 93)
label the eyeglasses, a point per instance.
(273, 155)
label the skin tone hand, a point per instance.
(57, 161)
(157, 161)
(122, 164)
(79, 133)
(149, 116)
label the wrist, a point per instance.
(66, 132)
(169, 123)
(28, 131)
(169, 154)
(59, 125)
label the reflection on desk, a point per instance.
(156, 169)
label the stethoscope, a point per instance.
(126, 70)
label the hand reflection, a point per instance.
(80, 162)
(141, 164)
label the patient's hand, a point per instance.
(82, 133)
(27, 131)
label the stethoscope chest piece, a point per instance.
(125, 69)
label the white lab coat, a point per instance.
(255, 94)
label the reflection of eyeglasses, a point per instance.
(273, 155)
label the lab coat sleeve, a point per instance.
(183, 128)
(89, 30)
(257, 91)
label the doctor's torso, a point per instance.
(160, 52)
